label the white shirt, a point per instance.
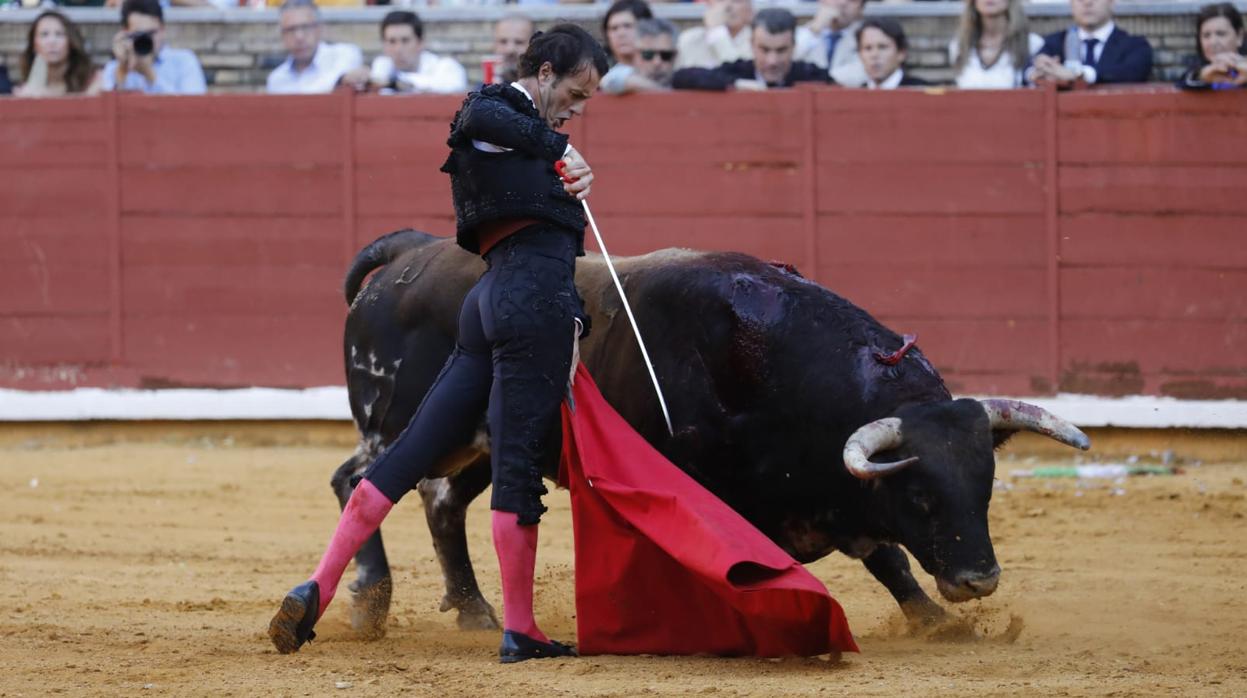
(699, 47)
(891, 82)
(846, 65)
(1001, 75)
(329, 63)
(433, 73)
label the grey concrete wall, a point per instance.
(239, 47)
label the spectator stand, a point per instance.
(238, 47)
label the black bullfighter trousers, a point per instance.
(510, 363)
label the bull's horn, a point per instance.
(879, 435)
(1014, 414)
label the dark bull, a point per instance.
(795, 407)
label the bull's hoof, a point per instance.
(370, 608)
(923, 613)
(474, 613)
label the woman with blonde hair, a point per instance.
(994, 45)
(55, 62)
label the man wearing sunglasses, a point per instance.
(655, 61)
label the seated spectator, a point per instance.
(619, 29)
(654, 63)
(882, 44)
(829, 40)
(994, 45)
(1093, 51)
(511, 35)
(404, 65)
(55, 62)
(314, 66)
(143, 63)
(656, 51)
(1219, 36)
(726, 36)
(774, 40)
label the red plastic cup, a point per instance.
(489, 65)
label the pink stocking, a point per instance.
(516, 546)
(362, 516)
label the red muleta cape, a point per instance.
(665, 567)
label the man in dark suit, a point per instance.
(6, 87)
(773, 41)
(882, 45)
(1093, 51)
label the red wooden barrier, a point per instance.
(1083, 242)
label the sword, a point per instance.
(662, 402)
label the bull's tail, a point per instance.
(377, 254)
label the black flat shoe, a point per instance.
(292, 626)
(516, 647)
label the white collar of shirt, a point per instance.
(1102, 33)
(890, 82)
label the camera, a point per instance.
(142, 43)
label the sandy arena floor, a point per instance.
(152, 569)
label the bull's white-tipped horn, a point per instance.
(879, 435)
(1015, 414)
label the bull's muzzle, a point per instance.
(966, 586)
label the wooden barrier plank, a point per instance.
(965, 383)
(1132, 293)
(642, 138)
(724, 189)
(77, 143)
(208, 291)
(1155, 346)
(233, 243)
(932, 240)
(953, 136)
(44, 340)
(401, 189)
(419, 145)
(52, 191)
(247, 190)
(1141, 102)
(54, 287)
(972, 345)
(770, 238)
(437, 108)
(52, 240)
(234, 350)
(927, 188)
(1163, 138)
(936, 100)
(1195, 189)
(967, 291)
(66, 109)
(1108, 239)
(203, 140)
(256, 108)
(371, 227)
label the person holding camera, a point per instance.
(141, 61)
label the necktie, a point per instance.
(1089, 52)
(832, 39)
